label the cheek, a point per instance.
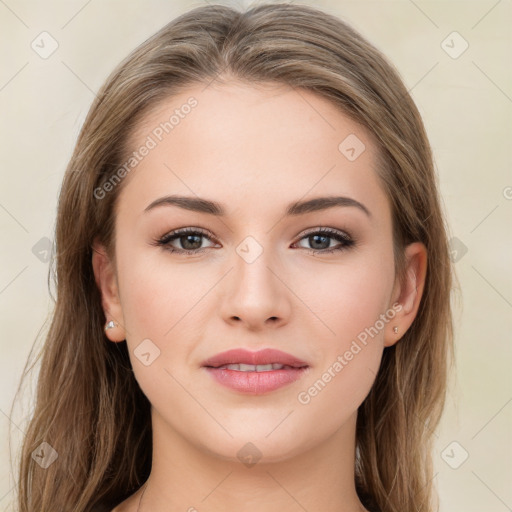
(346, 298)
(155, 295)
(158, 303)
(351, 302)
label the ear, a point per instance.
(407, 296)
(106, 281)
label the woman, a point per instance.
(253, 296)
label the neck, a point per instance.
(185, 476)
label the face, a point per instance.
(317, 282)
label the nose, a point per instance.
(255, 293)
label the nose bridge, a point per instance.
(254, 293)
(252, 267)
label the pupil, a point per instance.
(187, 239)
(316, 237)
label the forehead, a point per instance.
(252, 145)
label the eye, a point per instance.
(321, 239)
(190, 240)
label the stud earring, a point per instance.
(110, 325)
(395, 329)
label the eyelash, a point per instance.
(164, 241)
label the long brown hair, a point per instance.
(89, 407)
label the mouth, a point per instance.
(254, 361)
(255, 373)
(255, 367)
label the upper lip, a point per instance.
(242, 356)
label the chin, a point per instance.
(266, 444)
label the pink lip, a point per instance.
(255, 383)
(242, 356)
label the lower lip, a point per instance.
(256, 383)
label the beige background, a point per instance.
(466, 103)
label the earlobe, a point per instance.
(106, 281)
(408, 294)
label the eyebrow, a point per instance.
(200, 205)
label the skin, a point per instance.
(254, 150)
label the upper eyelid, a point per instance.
(175, 233)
